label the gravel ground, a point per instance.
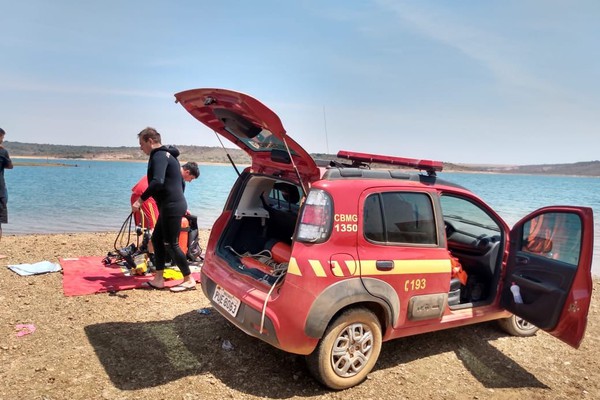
(141, 344)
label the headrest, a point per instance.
(290, 192)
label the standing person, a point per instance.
(148, 214)
(189, 172)
(5, 163)
(165, 184)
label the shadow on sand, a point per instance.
(149, 354)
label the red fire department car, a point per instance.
(329, 263)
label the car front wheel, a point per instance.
(517, 326)
(348, 350)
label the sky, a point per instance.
(494, 82)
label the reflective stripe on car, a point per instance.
(368, 267)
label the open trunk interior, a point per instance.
(257, 240)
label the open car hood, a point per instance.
(254, 128)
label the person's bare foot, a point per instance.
(3, 256)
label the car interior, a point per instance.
(475, 239)
(264, 221)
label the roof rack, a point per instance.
(363, 159)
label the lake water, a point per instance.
(94, 196)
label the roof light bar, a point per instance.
(424, 165)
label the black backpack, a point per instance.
(194, 251)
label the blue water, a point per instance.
(94, 196)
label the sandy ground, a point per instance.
(142, 344)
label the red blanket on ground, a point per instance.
(88, 275)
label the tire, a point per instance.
(517, 326)
(348, 350)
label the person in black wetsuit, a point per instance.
(5, 163)
(165, 185)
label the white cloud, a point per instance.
(490, 50)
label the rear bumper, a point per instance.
(247, 319)
(284, 317)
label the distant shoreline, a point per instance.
(448, 167)
(214, 155)
(115, 159)
(76, 159)
(92, 159)
(446, 170)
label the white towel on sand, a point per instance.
(41, 267)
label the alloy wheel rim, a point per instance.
(524, 325)
(352, 350)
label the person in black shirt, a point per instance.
(5, 163)
(165, 185)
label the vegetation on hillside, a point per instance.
(587, 168)
(188, 153)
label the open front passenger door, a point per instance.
(550, 259)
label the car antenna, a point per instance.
(325, 124)
(304, 189)
(226, 152)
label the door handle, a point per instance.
(522, 260)
(385, 265)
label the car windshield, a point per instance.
(467, 217)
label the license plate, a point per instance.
(226, 300)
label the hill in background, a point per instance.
(188, 153)
(586, 168)
(219, 155)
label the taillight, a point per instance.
(316, 219)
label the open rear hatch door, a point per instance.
(550, 259)
(252, 127)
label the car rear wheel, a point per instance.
(517, 326)
(348, 350)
